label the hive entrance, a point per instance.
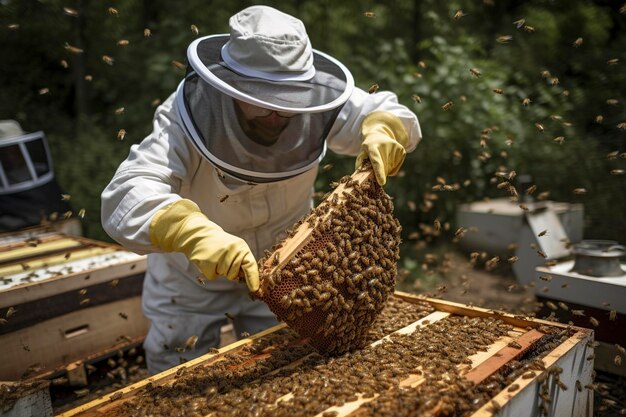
(330, 279)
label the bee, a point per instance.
(417, 98)
(115, 282)
(577, 42)
(539, 127)
(448, 105)
(194, 30)
(542, 254)
(191, 341)
(579, 313)
(67, 255)
(73, 49)
(369, 14)
(123, 42)
(551, 305)
(224, 198)
(10, 312)
(559, 140)
(82, 292)
(513, 259)
(529, 29)
(543, 196)
(121, 134)
(147, 33)
(554, 81)
(113, 11)
(617, 360)
(119, 111)
(70, 12)
(613, 61)
(526, 102)
(612, 315)
(43, 91)
(579, 191)
(84, 301)
(514, 344)
(64, 64)
(178, 65)
(621, 126)
(82, 392)
(374, 88)
(504, 38)
(612, 102)
(594, 321)
(108, 60)
(459, 14)
(498, 91)
(519, 23)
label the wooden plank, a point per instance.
(504, 355)
(64, 339)
(71, 282)
(54, 260)
(28, 251)
(13, 241)
(105, 402)
(471, 311)
(571, 357)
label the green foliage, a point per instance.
(481, 133)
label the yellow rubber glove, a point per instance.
(181, 227)
(384, 139)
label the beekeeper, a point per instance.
(230, 165)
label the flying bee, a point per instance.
(84, 301)
(579, 191)
(542, 254)
(475, 72)
(498, 91)
(369, 14)
(529, 29)
(113, 11)
(374, 88)
(147, 33)
(123, 315)
(448, 105)
(191, 341)
(121, 134)
(43, 91)
(64, 64)
(621, 126)
(599, 119)
(577, 42)
(224, 198)
(194, 30)
(612, 315)
(613, 61)
(108, 60)
(504, 38)
(417, 98)
(612, 102)
(519, 23)
(594, 321)
(513, 259)
(559, 140)
(178, 65)
(539, 127)
(579, 313)
(119, 111)
(73, 49)
(526, 102)
(554, 81)
(123, 42)
(70, 12)
(459, 14)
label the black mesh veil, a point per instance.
(207, 107)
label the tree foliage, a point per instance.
(131, 53)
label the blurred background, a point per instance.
(503, 89)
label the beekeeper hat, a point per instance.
(267, 60)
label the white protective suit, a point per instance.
(166, 167)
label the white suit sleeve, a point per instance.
(345, 135)
(149, 178)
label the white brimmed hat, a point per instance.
(267, 60)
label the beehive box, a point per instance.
(424, 357)
(65, 299)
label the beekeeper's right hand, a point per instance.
(181, 227)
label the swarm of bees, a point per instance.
(335, 286)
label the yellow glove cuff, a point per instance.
(386, 123)
(168, 221)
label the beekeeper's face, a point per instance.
(266, 118)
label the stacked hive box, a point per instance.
(424, 357)
(65, 299)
